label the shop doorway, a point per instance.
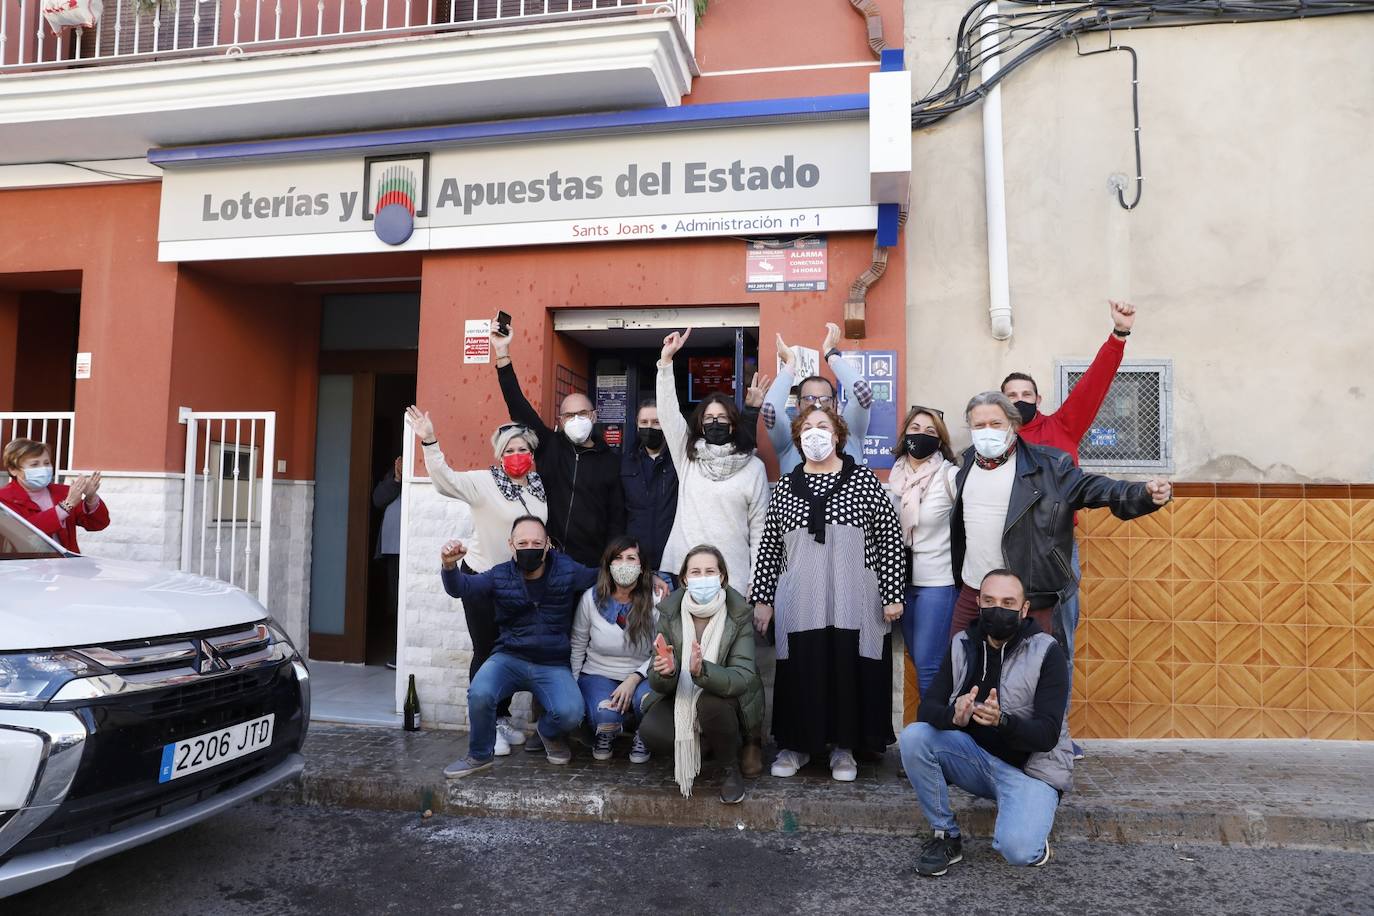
(369, 346)
(613, 355)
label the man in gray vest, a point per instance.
(993, 724)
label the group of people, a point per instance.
(630, 591)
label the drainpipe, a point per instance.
(999, 282)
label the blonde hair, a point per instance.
(21, 449)
(503, 436)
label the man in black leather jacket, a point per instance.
(1014, 508)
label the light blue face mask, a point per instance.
(703, 589)
(37, 478)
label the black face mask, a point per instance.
(999, 622)
(650, 437)
(1027, 410)
(717, 433)
(922, 445)
(528, 559)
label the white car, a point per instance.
(133, 702)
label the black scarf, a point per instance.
(815, 512)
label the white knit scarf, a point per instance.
(720, 462)
(686, 728)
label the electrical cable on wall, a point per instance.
(1029, 27)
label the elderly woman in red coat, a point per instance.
(55, 509)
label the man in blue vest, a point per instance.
(993, 724)
(534, 596)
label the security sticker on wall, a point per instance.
(477, 341)
(83, 365)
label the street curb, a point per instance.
(790, 812)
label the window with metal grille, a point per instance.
(1133, 430)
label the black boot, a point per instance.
(732, 789)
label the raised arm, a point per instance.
(457, 583)
(1126, 499)
(856, 389)
(775, 403)
(453, 484)
(1080, 408)
(669, 412)
(517, 405)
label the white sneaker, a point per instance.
(842, 765)
(502, 746)
(787, 763)
(512, 735)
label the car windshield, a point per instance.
(20, 542)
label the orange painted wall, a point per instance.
(753, 34)
(128, 301)
(465, 400)
(242, 348)
(160, 336)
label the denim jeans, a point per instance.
(925, 628)
(596, 689)
(934, 757)
(502, 675)
(1068, 617)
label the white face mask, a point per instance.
(818, 444)
(703, 589)
(577, 429)
(991, 443)
(625, 574)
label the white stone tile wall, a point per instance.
(437, 649)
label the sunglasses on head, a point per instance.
(933, 411)
(508, 427)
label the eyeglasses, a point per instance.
(933, 411)
(584, 414)
(817, 400)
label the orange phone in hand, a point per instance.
(664, 650)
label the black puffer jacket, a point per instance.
(586, 503)
(1038, 538)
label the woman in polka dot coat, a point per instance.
(829, 579)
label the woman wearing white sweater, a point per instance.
(497, 495)
(612, 639)
(722, 494)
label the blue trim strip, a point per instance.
(376, 141)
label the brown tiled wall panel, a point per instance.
(1240, 611)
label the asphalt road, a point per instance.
(265, 859)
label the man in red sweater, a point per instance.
(1067, 426)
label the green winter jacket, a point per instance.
(737, 676)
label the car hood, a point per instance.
(82, 601)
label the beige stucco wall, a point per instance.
(1251, 256)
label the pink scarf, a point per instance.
(909, 481)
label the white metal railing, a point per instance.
(56, 429)
(130, 30)
(227, 495)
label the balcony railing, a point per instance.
(128, 32)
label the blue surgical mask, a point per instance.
(703, 589)
(37, 478)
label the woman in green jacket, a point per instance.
(706, 685)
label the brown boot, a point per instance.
(751, 759)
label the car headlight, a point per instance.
(279, 635)
(29, 679)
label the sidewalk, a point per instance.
(1317, 794)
